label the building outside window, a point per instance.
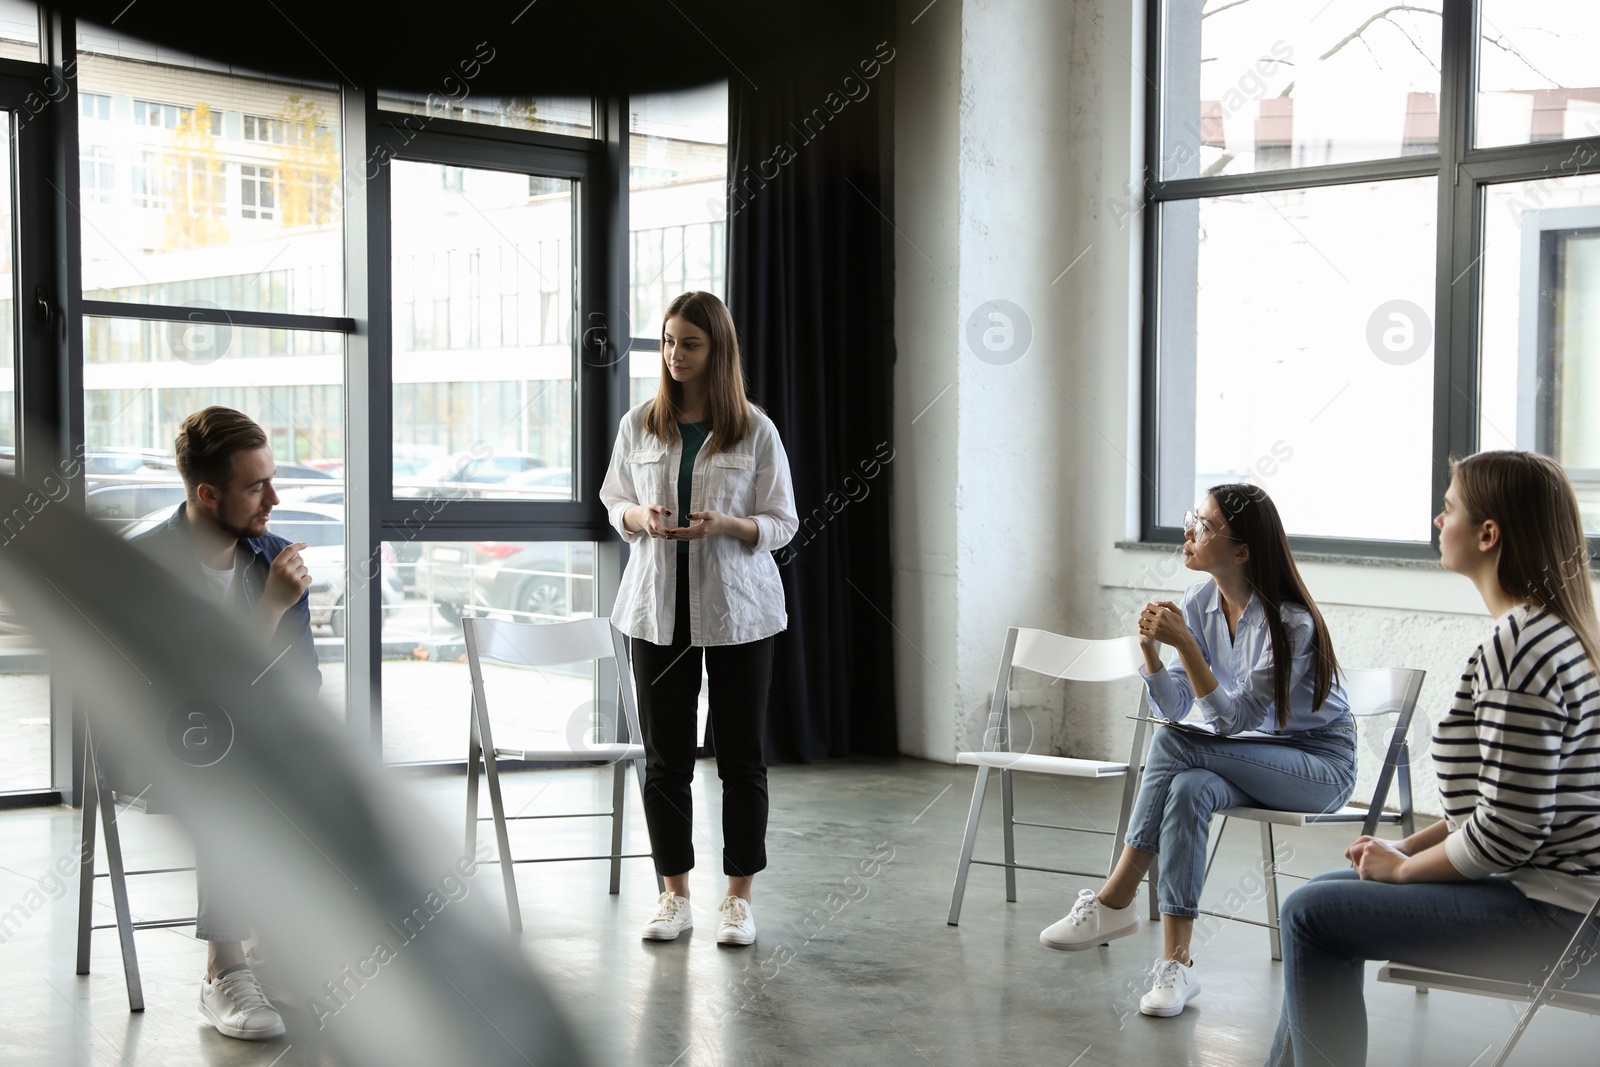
(1308, 325)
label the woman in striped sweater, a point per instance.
(1502, 883)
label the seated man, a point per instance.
(217, 542)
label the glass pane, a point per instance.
(678, 200)
(572, 115)
(677, 212)
(205, 188)
(484, 293)
(424, 670)
(1540, 340)
(1292, 356)
(1538, 79)
(1278, 83)
(24, 672)
(24, 707)
(8, 342)
(19, 30)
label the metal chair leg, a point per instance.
(474, 754)
(1270, 867)
(1009, 808)
(618, 782)
(91, 808)
(1152, 877)
(508, 873)
(965, 862)
(119, 892)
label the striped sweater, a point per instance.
(1518, 761)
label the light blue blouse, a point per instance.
(1243, 698)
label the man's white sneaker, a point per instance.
(738, 925)
(672, 918)
(1090, 923)
(235, 1005)
(1175, 985)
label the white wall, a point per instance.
(1017, 126)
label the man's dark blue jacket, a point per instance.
(172, 546)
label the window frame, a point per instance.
(1463, 173)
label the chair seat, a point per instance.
(600, 754)
(1350, 813)
(1033, 764)
(1585, 999)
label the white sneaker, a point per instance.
(738, 925)
(235, 1005)
(1175, 985)
(1090, 923)
(672, 918)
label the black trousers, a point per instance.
(667, 678)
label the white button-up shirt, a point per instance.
(1243, 665)
(735, 594)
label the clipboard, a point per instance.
(1203, 730)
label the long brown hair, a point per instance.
(1544, 554)
(728, 405)
(1253, 519)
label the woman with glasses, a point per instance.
(1500, 886)
(1253, 657)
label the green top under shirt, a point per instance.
(694, 435)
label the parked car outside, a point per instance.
(523, 579)
(545, 483)
(321, 527)
(460, 475)
(120, 502)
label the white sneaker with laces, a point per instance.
(1090, 923)
(1175, 985)
(235, 1005)
(738, 925)
(672, 918)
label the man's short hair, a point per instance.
(207, 442)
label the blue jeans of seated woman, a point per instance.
(1188, 778)
(1334, 923)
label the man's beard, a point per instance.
(238, 533)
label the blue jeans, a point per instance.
(1334, 923)
(1188, 778)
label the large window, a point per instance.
(1357, 265)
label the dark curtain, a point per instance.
(810, 285)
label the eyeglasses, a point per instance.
(1202, 529)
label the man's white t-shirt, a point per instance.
(221, 581)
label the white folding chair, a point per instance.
(1371, 692)
(520, 644)
(1072, 659)
(100, 807)
(1551, 991)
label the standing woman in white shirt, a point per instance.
(699, 486)
(1252, 655)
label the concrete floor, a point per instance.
(854, 964)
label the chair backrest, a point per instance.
(529, 644)
(1074, 659)
(524, 644)
(1386, 691)
(1061, 657)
